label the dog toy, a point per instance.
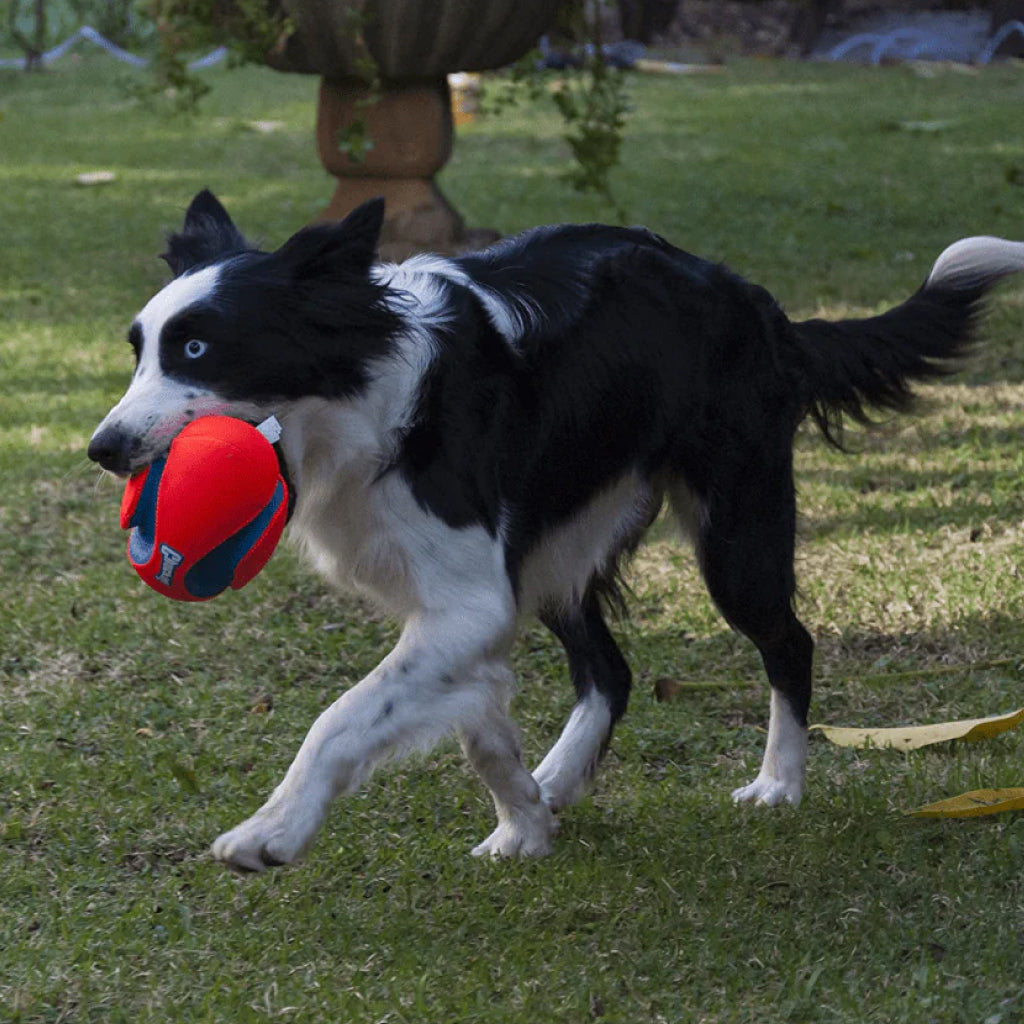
(209, 514)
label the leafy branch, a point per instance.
(591, 96)
(248, 28)
(594, 107)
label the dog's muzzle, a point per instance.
(112, 448)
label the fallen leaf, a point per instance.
(666, 689)
(265, 127)
(973, 804)
(262, 704)
(910, 737)
(924, 126)
(96, 178)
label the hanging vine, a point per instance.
(590, 94)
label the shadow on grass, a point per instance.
(888, 506)
(728, 665)
(967, 510)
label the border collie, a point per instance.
(478, 439)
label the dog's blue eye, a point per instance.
(195, 348)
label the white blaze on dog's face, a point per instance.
(157, 405)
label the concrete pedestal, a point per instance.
(411, 131)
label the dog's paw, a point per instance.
(269, 839)
(526, 835)
(769, 791)
(560, 792)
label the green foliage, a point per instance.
(355, 139)
(594, 108)
(117, 20)
(250, 29)
(591, 97)
(593, 103)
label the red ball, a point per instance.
(210, 514)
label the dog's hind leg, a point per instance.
(602, 681)
(745, 544)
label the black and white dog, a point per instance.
(478, 439)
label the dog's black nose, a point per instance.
(110, 448)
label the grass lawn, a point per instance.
(133, 730)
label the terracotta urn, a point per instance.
(414, 45)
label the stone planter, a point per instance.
(415, 44)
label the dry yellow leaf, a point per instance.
(977, 802)
(910, 737)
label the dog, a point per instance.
(478, 439)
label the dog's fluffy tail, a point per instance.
(853, 366)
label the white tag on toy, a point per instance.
(270, 428)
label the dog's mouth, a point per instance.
(126, 452)
(139, 466)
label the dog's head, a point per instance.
(241, 332)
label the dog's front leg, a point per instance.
(446, 673)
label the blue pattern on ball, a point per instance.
(215, 571)
(143, 536)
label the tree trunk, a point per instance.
(32, 46)
(810, 21)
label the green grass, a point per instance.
(133, 730)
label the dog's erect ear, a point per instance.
(349, 245)
(363, 227)
(208, 234)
